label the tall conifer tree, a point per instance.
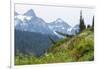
(82, 25)
(93, 24)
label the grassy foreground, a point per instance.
(77, 48)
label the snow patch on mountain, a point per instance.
(60, 36)
(22, 17)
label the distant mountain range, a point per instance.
(29, 25)
(30, 22)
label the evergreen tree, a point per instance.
(82, 25)
(88, 26)
(93, 24)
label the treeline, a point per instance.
(82, 25)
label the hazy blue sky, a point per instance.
(49, 13)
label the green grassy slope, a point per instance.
(77, 48)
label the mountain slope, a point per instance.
(78, 48)
(31, 43)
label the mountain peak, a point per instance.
(59, 20)
(30, 13)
